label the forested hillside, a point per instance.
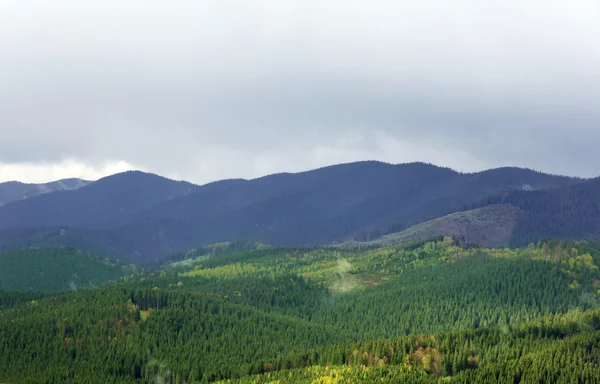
(55, 269)
(426, 311)
(145, 218)
(572, 212)
(516, 218)
(299, 192)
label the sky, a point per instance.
(208, 90)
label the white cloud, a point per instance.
(45, 172)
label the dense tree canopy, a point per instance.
(55, 269)
(423, 312)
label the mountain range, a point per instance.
(14, 190)
(141, 217)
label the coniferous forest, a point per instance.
(299, 192)
(428, 311)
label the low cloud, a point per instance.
(44, 172)
(209, 90)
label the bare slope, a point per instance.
(490, 226)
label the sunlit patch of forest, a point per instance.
(426, 311)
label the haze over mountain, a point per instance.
(100, 204)
(14, 190)
(145, 217)
(209, 90)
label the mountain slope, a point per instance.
(54, 269)
(14, 190)
(129, 215)
(572, 212)
(490, 226)
(516, 218)
(358, 200)
(100, 204)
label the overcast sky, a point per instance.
(206, 90)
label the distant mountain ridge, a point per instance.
(13, 190)
(144, 217)
(97, 205)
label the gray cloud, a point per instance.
(205, 90)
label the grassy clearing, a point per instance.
(189, 262)
(144, 315)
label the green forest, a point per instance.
(427, 311)
(55, 269)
